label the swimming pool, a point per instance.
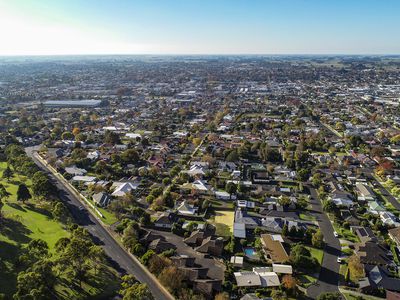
(250, 252)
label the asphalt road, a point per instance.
(120, 259)
(329, 275)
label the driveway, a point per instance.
(329, 275)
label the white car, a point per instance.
(339, 260)
(335, 234)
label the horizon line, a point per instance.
(198, 54)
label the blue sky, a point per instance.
(199, 27)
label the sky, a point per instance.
(60, 27)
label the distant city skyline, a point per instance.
(73, 27)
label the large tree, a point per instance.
(23, 193)
(41, 185)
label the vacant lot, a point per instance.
(223, 221)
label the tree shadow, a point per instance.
(15, 231)
(8, 272)
(16, 206)
(39, 210)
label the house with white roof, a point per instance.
(258, 277)
(122, 188)
(185, 208)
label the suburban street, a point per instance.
(329, 274)
(122, 261)
(382, 189)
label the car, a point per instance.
(339, 260)
(81, 207)
(336, 234)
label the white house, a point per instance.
(124, 187)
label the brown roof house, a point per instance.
(273, 248)
(211, 246)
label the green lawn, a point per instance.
(307, 279)
(316, 253)
(21, 224)
(307, 217)
(24, 222)
(345, 234)
(350, 296)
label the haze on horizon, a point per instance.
(63, 27)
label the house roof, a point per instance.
(247, 279)
(124, 188)
(395, 234)
(282, 269)
(274, 248)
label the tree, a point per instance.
(303, 174)
(67, 136)
(231, 188)
(301, 257)
(41, 185)
(31, 285)
(290, 284)
(172, 278)
(59, 211)
(97, 257)
(284, 201)
(285, 230)
(23, 193)
(222, 296)
(130, 156)
(76, 131)
(131, 289)
(330, 207)
(138, 291)
(76, 253)
(232, 156)
(318, 239)
(111, 137)
(7, 173)
(278, 295)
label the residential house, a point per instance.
(273, 248)
(102, 199)
(184, 208)
(394, 234)
(373, 253)
(122, 188)
(364, 192)
(378, 277)
(211, 246)
(165, 220)
(257, 278)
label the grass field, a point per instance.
(24, 222)
(224, 222)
